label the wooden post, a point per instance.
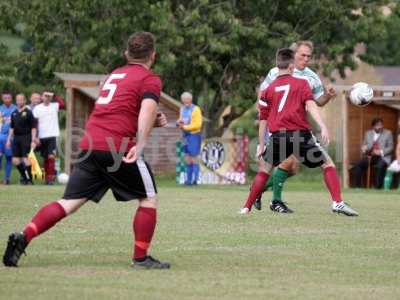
(68, 130)
(368, 185)
(345, 138)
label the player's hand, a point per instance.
(324, 136)
(364, 148)
(376, 152)
(330, 90)
(33, 145)
(131, 156)
(161, 120)
(8, 144)
(260, 151)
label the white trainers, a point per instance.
(343, 208)
(243, 211)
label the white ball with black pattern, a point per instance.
(361, 94)
(63, 178)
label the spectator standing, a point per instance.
(35, 100)
(46, 114)
(22, 134)
(6, 109)
(190, 121)
(377, 149)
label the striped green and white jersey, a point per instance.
(312, 78)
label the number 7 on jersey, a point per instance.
(283, 88)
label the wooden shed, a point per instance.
(82, 91)
(348, 123)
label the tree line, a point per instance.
(219, 50)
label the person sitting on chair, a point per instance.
(376, 148)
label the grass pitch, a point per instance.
(215, 253)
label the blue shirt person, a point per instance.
(6, 110)
(190, 121)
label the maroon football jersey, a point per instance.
(283, 104)
(114, 120)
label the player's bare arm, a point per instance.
(313, 110)
(261, 138)
(34, 137)
(329, 94)
(10, 137)
(146, 120)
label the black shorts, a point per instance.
(94, 175)
(21, 145)
(301, 144)
(48, 146)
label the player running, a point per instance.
(111, 157)
(284, 103)
(302, 58)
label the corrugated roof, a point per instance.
(80, 76)
(390, 74)
(93, 92)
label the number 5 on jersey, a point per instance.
(283, 88)
(110, 87)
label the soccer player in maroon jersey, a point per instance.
(286, 101)
(111, 157)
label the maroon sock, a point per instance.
(52, 168)
(332, 182)
(144, 224)
(44, 219)
(256, 188)
(46, 168)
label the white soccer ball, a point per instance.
(63, 178)
(361, 94)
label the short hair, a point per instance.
(21, 94)
(187, 94)
(140, 45)
(295, 46)
(376, 121)
(284, 57)
(35, 94)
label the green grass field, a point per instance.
(215, 253)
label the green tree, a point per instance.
(217, 49)
(384, 48)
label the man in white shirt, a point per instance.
(48, 130)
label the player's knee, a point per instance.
(291, 165)
(328, 164)
(266, 168)
(150, 202)
(294, 168)
(71, 206)
(16, 161)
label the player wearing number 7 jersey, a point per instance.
(111, 156)
(285, 103)
(302, 58)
